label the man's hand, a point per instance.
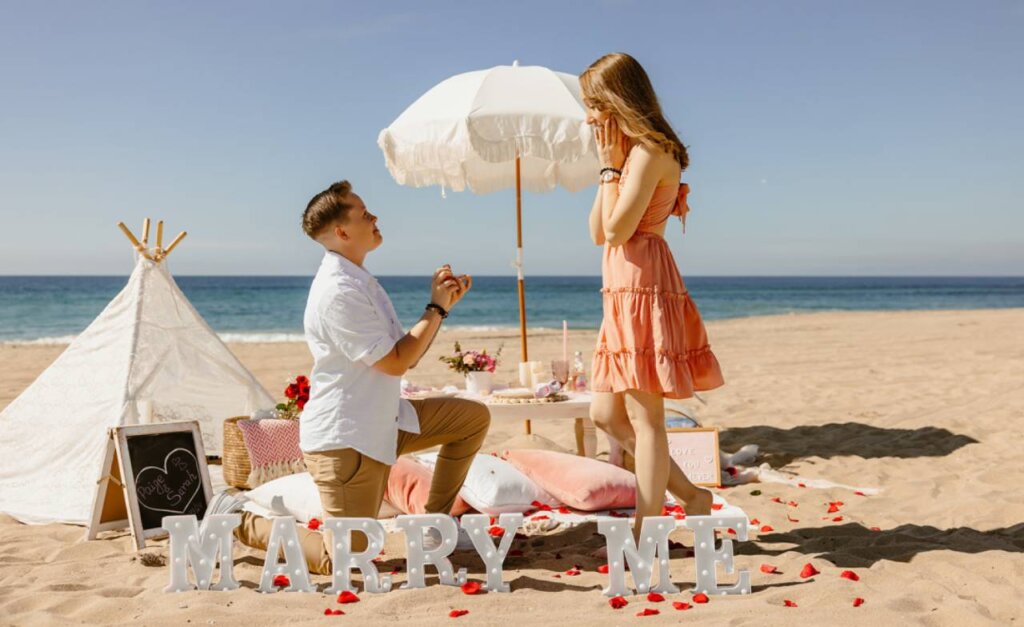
(447, 289)
(465, 282)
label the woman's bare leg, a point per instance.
(608, 412)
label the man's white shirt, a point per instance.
(350, 324)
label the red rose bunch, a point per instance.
(297, 394)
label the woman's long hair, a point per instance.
(617, 83)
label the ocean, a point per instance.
(269, 308)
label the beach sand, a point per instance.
(926, 406)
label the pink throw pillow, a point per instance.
(409, 488)
(580, 482)
(273, 446)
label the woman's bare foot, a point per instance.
(700, 504)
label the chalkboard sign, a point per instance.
(167, 478)
(163, 472)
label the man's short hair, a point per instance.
(327, 207)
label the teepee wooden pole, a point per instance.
(159, 234)
(173, 243)
(128, 233)
(135, 242)
(145, 233)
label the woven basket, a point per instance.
(236, 457)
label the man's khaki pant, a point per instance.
(353, 485)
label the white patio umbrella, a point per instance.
(490, 129)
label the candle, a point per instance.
(565, 341)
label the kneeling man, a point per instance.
(355, 423)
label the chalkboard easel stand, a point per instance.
(116, 503)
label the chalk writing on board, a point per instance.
(172, 488)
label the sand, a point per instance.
(926, 406)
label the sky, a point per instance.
(825, 138)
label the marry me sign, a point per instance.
(200, 547)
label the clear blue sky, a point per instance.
(825, 138)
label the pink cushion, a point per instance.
(409, 488)
(273, 446)
(580, 482)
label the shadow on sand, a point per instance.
(781, 446)
(853, 545)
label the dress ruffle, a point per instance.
(652, 337)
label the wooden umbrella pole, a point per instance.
(519, 269)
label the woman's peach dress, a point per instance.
(652, 338)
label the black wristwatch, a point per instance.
(439, 309)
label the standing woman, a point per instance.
(652, 344)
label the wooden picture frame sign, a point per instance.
(697, 453)
(160, 470)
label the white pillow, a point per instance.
(299, 498)
(494, 486)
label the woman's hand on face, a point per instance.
(612, 144)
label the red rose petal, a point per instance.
(572, 572)
(313, 524)
(281, 581)
(557, 576)
(470, 587)
(767, 528)
(802, 485)
(837, 519)
(700, 597)
(330, 612)
(603, 569)
(347, 596)
(789, 603)
(876, 529)
(832, 508)
(769, 569)
(732, 471)
(809, 571)
(457, 613)
(858, 602)
(618, 603)
(716, 506)
(654, 597)
(541, 517)
(859, 493)
(497, 532)
(791, 519)
(680, 605)
(776, 499)
(648, 612)
(755, 522)
(564, 510)
(793, 504)
(327, 612)
(849, 574)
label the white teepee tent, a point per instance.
(149, 356)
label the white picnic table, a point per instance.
(576, 408)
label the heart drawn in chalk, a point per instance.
(172, 488)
